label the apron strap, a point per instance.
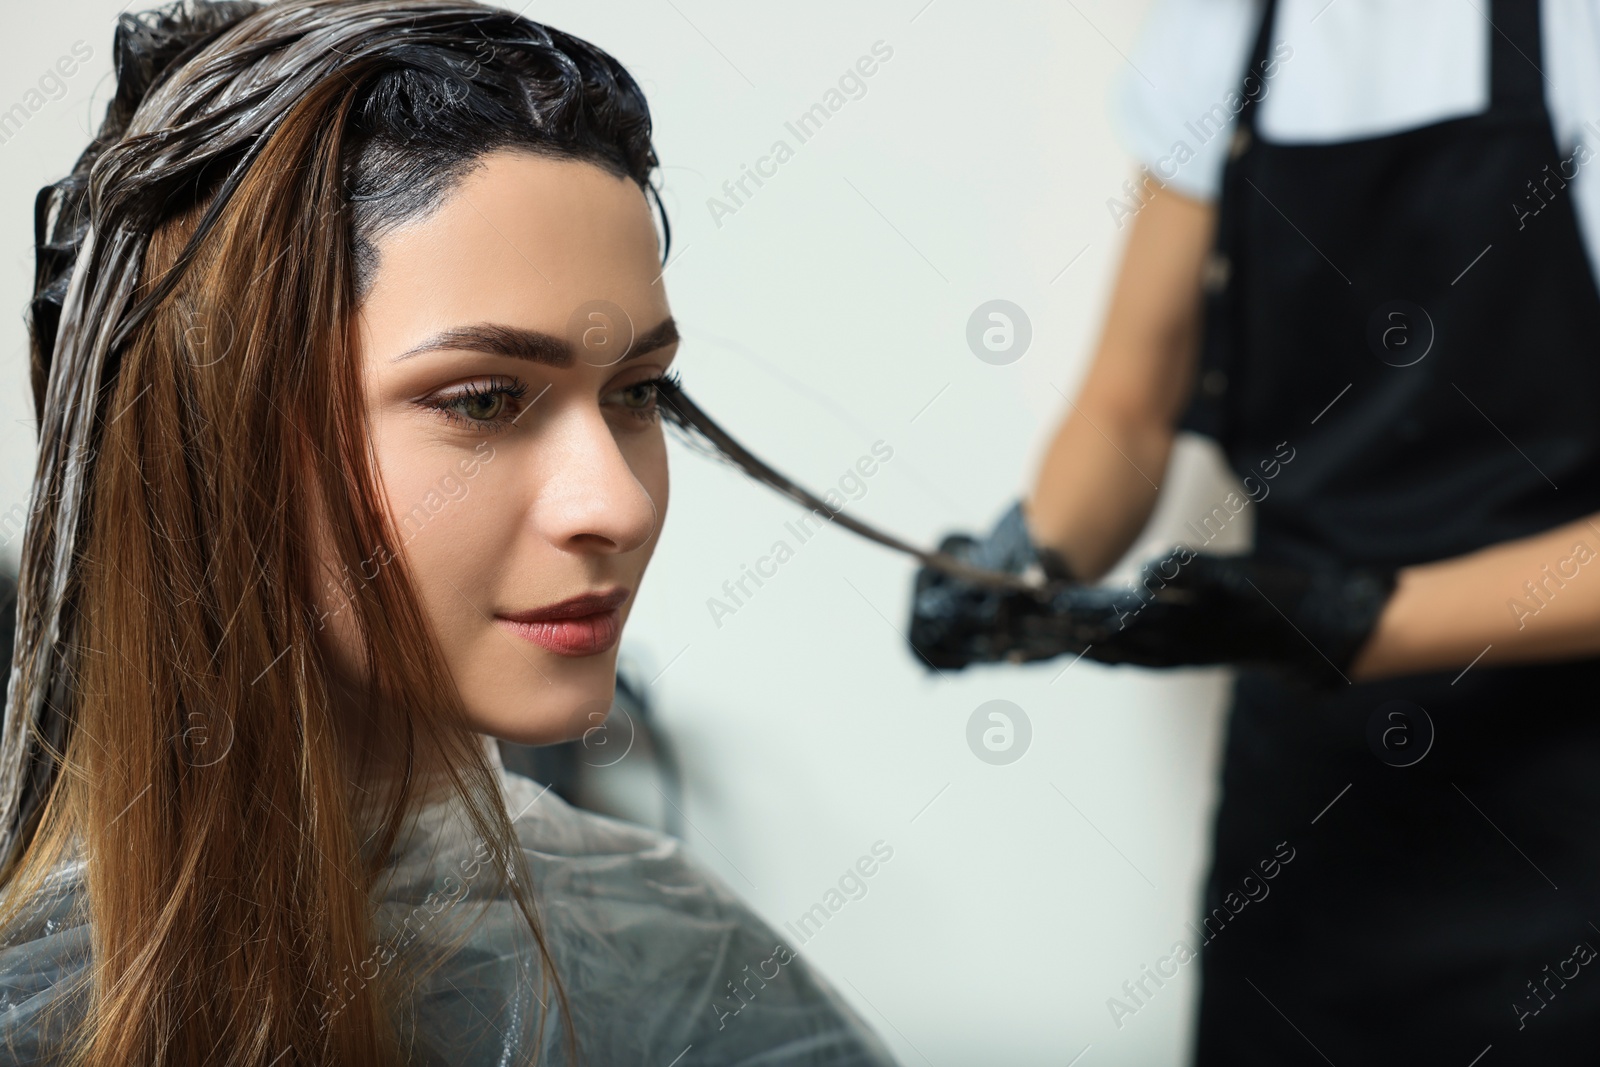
(1516, 58)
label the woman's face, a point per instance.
(507, 344)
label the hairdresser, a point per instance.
(1382, 266)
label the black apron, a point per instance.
(1414, 316)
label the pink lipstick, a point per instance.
(580, 626)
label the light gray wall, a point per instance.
(825, 313)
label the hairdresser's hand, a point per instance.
(955, 622)
(1192, 610)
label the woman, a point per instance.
(349, 353)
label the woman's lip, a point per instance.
(584, 635)
(571, 608)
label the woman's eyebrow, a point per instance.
(501, 340)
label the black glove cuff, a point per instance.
(1342, 608)
(1010, 547)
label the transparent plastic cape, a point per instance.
(662, 963)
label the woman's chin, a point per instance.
(552, 719)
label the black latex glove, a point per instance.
(1185, 610)
(1194, 610)
(955, 622)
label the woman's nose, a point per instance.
(591, 499)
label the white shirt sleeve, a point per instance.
(1572, 90)
(1189, 58)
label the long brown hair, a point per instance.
(172, 712)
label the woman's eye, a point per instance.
(480, 406)
(641, 400)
